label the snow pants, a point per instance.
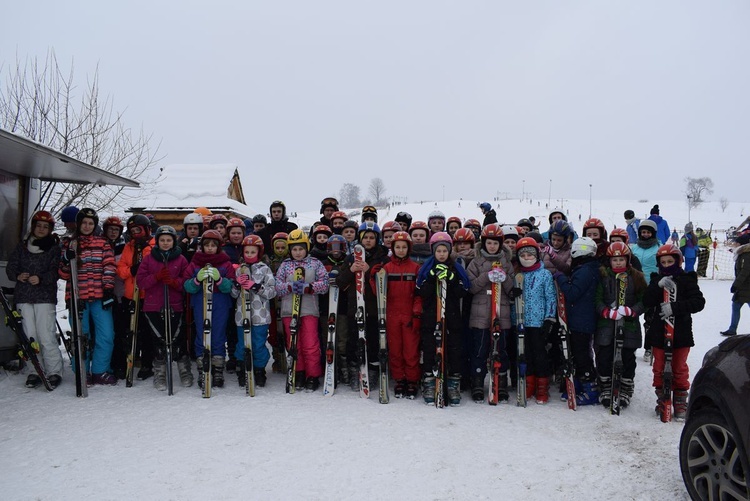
(39, 323)
(222, 308)
(258, 335)
(308, 345)
(535, 347)
(157, 333)
(605, 358)
(104, 338)
(403, 347)
(580, 347)
(680, 370)
(454, 351)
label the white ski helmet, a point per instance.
(583, 246)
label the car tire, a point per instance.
(713, 462)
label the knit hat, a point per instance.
(689, 228)
(655, 209)
(629, 214)
(68, 214)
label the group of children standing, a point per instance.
(600, 279)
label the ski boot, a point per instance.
(299, 380)
(354, 377)
(627, 388)
(680, 404)
(105, 378)
(217, 371)
(160, 375)
(260, 377)
(502, 388)
(241, 376)
(647, 356)
(412, 388)
(542, 390)
(605, 386)
(588, 394)
(144, 373)
(454, 390)
(33, 381)
(477, 389)
(231, 365)
(312, 384)
(659, 404)
(199, 366)
(186, 374)
(54, 381)
(400, 389)
(428, 389)
(530, 386)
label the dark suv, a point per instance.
(714, 443)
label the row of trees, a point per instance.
(696, 189)
(349, 195)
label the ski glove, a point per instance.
(611, 314)
(332, 276)
(547, 327)
(108, 300)
(667, 283)
(244, 281)
(442, 272)
(515, 292)
(204, 273)
(163, 275)
(666, 310)
(299, 287)
(625, 311)
(255, 287)
(551, 251)
(497, 275)
(69, 255)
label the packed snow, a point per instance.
(139, 443)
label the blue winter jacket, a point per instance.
(662, 228)
(539, 295)
(647, 257)
(632, 229)
(580, 290)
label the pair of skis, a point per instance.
(568, 368)
(521, 333)
(359, 317)
(29, 347)
(167, 337)
(135, 312)
(329, 379)
(493, 362)
(299, 274)
(76, 323)
(617, 364)
(438, 369)
(208, 306)
(670, 296)
(247, 315)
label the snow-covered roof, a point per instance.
(187, 186)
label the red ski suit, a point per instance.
(403, 307)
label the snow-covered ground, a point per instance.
(139, 443)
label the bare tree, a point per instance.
(38, 99)
(349, 195)
(695, 188)
(723, 203)
(377, 190)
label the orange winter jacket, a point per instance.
(126, 262)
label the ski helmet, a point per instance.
(44, 217)
(166, 230)
(235, 222)
(441, 238)
(618, 249)
(527, 243)
(561, 228)
(89, 213)
(619, 232)
(193, 218)
(370, 211)
(279, 236)
(298, 237)
(436, 214)
(583, 246)
(649, 225)
(351, 223)
(259, 218)
(256, 241)
(454, 219)
(142, 222)
(526, 224)
(218, 219)
(322, 228)
(485, 207)
(464, 235)
(419, 225)
(336, 243)
(211, 235)
(339, 215)
(669, 250)
(492, 231)
(391, 226)
(368, 226)
(598, 224)
(329, 202)
(404, 218)
(549, 218)
(401, 236)
(113, 221)
(510, 232)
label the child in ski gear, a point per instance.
(740, 288)
(159, 272)
(440, 267)
(255, 277)
(404, 219)
(595, 230)
(662, 226)
(490, 267)
(349, 232)
(375, 253)
(490, 216)
(275, 331)
(369, 213)
(192, 227)
(540, 316)
(556, 253)
(621, 235)
(436, 221)
(33, 265)
(320, 236)
(420, 248)
(632, 224)
(579, 290)
(258, 223)
(645, 251)
(615, 302)
(452, 225)
(689, 300)
(689, 247)
(328, 206)
(338, 219)
(314, 283)
(463, 246)
(404, 308)
(333, 263)
(96, 282)
(388, 230)
(235, 234)
(212, 262)
(474, 226)
(139, 246)
(112, 229)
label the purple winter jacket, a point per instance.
(146, 280)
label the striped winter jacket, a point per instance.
(96, 267)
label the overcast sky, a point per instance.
(437, 98)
